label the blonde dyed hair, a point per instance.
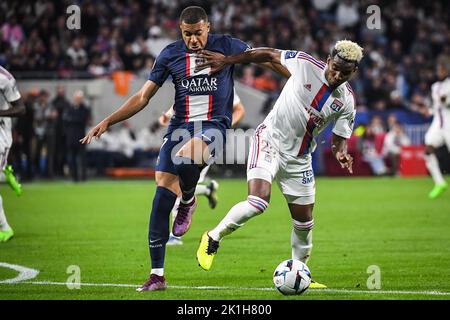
(348, 50)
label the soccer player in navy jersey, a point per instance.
(203, 108)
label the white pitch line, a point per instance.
(431, 293)
(24, 273)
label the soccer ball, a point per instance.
(292, 277)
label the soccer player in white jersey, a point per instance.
(315, 95)
(209, 190)
(11, 105)
(439, 132)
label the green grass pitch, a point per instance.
(101, 226)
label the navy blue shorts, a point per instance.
(179, 135)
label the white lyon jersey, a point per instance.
(439, 131)
(307, 105)
(8, 93)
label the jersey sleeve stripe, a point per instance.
(349, 87)
(311, 59)
(314, 63)
(302, 53)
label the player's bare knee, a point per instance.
(186, 150)
(168, 181)
(261, 195)
(194, 149)
(301, 207)
(260, 188)
(161, 179)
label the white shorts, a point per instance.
(4, 151)
(294, 175)
(437, 136)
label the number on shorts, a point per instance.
(265, 146)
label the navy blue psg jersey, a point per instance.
(199, 95)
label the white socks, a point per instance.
(201, 190)
(433, 167)
(3, 223)
(301, 240)
(237, 216)
(188, 201)
(158, 271)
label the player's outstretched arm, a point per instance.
(133, 105)
(278, 68)
(217, 61)
(339, 149)
(17, 109)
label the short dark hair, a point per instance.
(193, 14)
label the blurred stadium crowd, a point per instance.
(396, 73)
(127, 35)
(46, 140)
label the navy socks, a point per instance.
(163, 202)
(189, 173)
(158, 233)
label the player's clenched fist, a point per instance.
(97, 131)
